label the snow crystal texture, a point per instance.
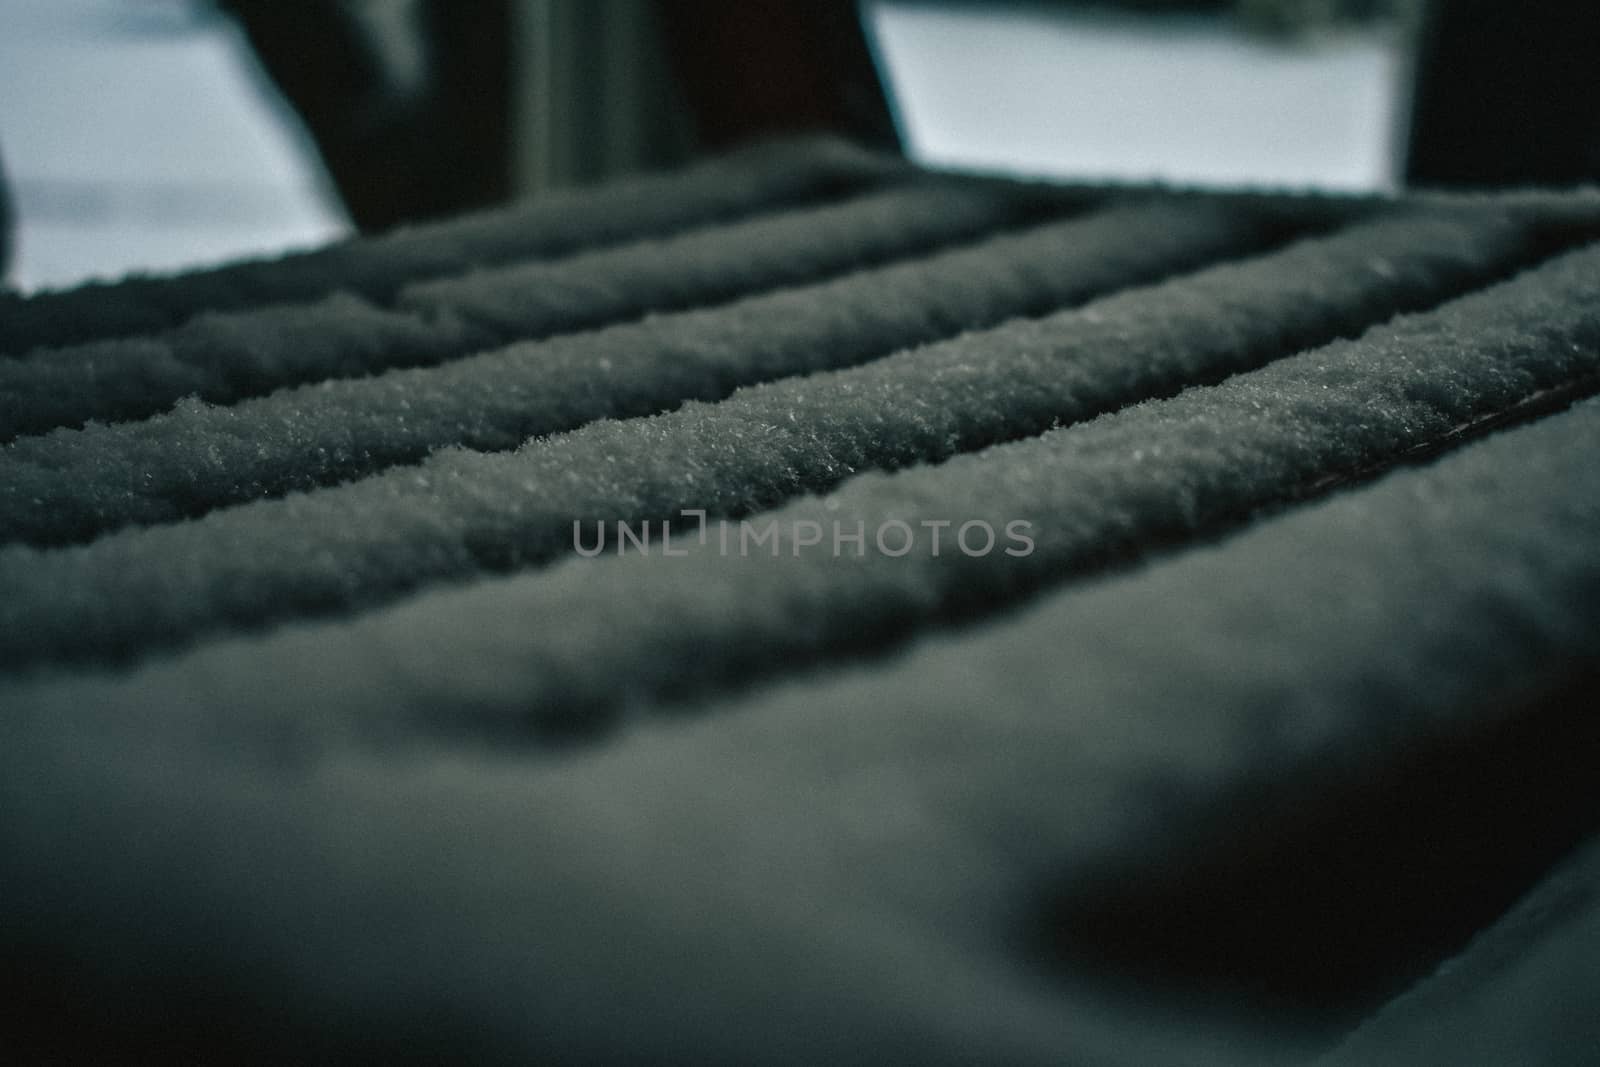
(801, 609)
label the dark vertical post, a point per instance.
(753, 68)
(1507, 94)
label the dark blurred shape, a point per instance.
(1411, 859)
(753, 68)
(408, 100)
(595, 94)
(1506, 94)
(424, 108)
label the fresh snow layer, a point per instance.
(71, 485)
(741, 183)
(865, 845)
(223, 356)
(1151, 472)
(1148, 629)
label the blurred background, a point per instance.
(159, 134)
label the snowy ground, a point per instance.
(141, 135)
(1044, 90)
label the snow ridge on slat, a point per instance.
(561, 223)
(1284, 697)
(1322, 411)
(225, 356)
(72, 485)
